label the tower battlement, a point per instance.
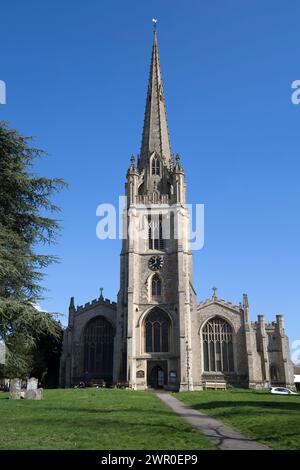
(93, 303)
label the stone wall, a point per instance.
(265, 345)
(71, 370)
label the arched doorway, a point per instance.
(157, 376)
(98, 350)
(157, 342)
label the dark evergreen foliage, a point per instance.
(25, 202)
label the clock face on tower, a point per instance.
(155, 263)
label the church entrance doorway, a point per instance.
(157, 374)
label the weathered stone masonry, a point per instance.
(156, 335)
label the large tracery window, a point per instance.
(98, 343)
(217, 346)
(157, 329)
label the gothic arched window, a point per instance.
(156, 285)
(217, 346)
(98, 342)
(272, 342)
(273, 373)
(155, 166)
(157, 331)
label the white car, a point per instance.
(282, 391)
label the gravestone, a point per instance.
(33, 392)
(15, 389)
(32, 383)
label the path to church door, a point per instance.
(157, 374)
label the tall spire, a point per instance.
(155, 132)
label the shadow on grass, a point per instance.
(119, 410)
(104, 410)
(113, 424)
(279, 406)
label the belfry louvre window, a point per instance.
(157, 329)
(156, 285)
(155, 232)
(217, 346)
(155, 166)
(98, 343)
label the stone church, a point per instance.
(156, 335)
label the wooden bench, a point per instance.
(215, 385)
(98, 383)
(122, 384)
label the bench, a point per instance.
(215, 385)
(122, 384)
(98, 383)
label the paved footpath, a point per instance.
(222, 436)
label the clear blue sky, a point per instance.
(76, 75)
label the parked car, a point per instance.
(282, 391)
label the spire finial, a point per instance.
(154, 24)
(215, 295)
(101, 293)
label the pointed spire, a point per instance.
(132, 168)
(155, 132)
(71, 312)
(72, 303)
(246, 308)
(245, 301)
(178, 168)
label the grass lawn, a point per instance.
(95, 419)
(271, 419)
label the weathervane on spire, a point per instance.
(154, 23)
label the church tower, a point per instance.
(156, 325)
(157, 336)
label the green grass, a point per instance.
(95, 419)
(271, 419)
